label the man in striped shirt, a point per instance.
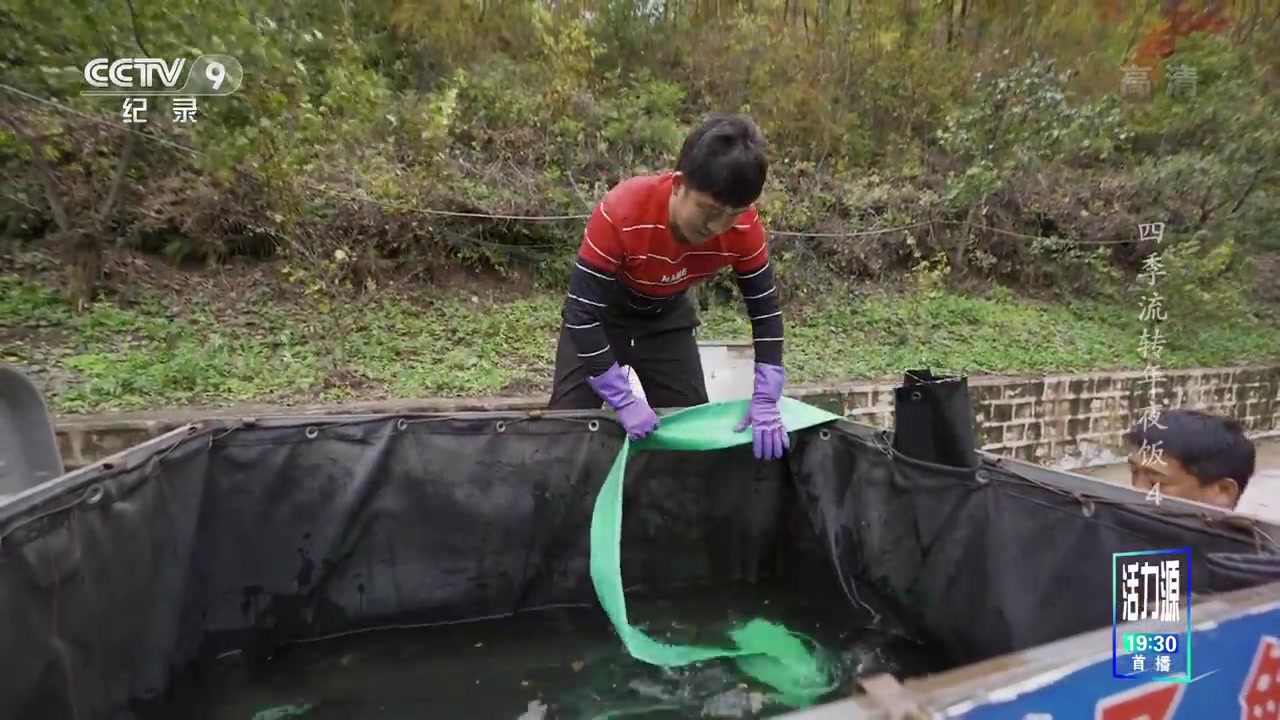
(647, 242)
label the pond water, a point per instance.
(554, 664)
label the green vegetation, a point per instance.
(971, 177)
(204, 351)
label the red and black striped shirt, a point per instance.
(629, 261)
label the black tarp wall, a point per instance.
(114, 578)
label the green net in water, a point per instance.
(762, 649)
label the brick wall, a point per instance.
(1073, 420)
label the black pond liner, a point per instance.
(135, 587)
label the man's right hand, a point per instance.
(634, 413)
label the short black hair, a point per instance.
(725, 158)
(1207, 446)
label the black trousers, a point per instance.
(664, 358)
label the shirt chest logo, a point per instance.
(675, 277)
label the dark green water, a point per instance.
(563, 664)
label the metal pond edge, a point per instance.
(1087, 485)
(1004, 679)
(130, 458)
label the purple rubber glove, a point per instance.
(634, 413)
(768, 436)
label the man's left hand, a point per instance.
(768, 435)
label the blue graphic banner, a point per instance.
(1153, 587)
(1237, 668)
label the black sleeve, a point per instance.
(761, 296)
(591, 286)
(589, 290)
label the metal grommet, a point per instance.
(312, 432)
(500, 426)
(916, 395)
(401, 424)
(982, 477)
(825, 434)
(93, 495)
(1087, 507)
(594, 425)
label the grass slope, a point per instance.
(220, 347)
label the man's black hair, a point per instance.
(1207, 446)
(724, 157)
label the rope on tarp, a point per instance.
(761, 649)
(282, 711)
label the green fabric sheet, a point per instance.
(762, 649)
